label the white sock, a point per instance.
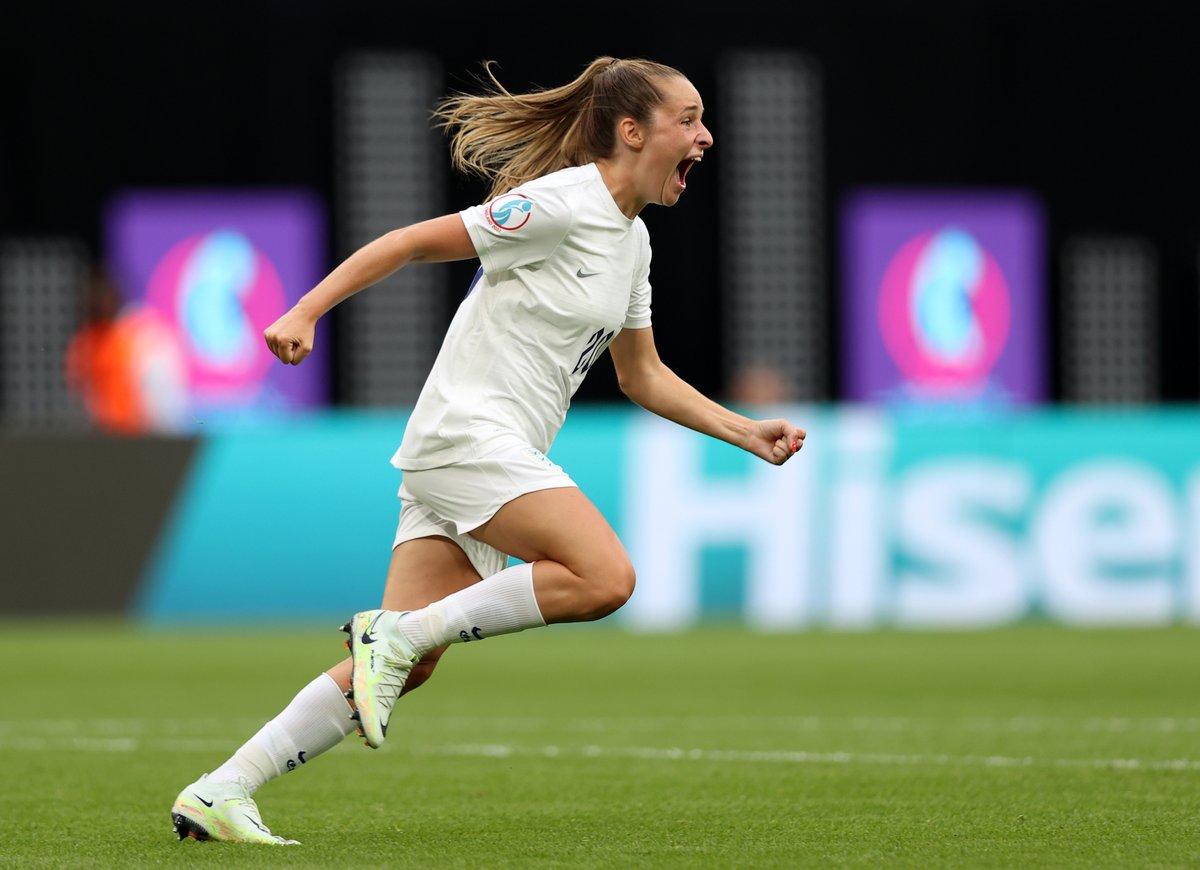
(317, 719)
(501, 604)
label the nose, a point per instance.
(705, 139)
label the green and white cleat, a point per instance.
(221, 811)
(383, 659)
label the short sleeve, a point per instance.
(637, 315)
(517, 228)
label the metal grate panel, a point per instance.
(772, 226)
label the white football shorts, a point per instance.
(451, 500)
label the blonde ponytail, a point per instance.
(508, 139)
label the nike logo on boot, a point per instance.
(366, 635)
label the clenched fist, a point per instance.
(291, 337)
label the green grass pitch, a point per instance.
(585, 746)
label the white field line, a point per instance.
(67, 743)
(771, 756)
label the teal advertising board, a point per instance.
(885, 519)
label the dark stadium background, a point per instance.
(1090, 105)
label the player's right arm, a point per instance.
(439, 240)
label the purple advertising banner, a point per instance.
(943, 298)
(202, 275)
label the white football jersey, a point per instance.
(563, 271)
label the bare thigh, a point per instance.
(581, 570)
(422, 571)
(425, 570)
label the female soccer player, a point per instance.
(565, 266)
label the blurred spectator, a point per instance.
(760, 384)
(99, 365)
(125, 364)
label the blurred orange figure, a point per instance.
(100, 364)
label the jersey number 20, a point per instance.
(595, 347)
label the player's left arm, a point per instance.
(647, 380)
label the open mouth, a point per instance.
(682, 170)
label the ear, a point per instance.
(629, 133)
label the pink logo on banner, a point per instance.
(944, 311)
(219, 293)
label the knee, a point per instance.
(614, 588)
(585, 592)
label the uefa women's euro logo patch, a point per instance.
(510, 212)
